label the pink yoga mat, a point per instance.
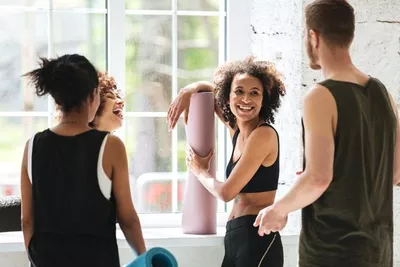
(200, 206)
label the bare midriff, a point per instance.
(251, 203)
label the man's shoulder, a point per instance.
(317, 93)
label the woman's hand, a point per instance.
(179, 105)
(182, 101)
(196, 163)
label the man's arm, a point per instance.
(319, 113)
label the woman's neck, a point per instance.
(74, 118)
(247, 127)
(98, 125)
(104, 129)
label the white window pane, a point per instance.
(81, 33)
(182, 143)
(79, 3)
(148, 63)
(197, 48)
(148, 5)
(199, 5)
(15, 132)
(27, 3)
(148, 147)
(23, 39)
(153, 192)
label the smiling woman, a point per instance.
(109, 116)
(263, 80)
(247, 95)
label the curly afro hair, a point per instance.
(107, 84)
(263, 70)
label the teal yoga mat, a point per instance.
(155, 257)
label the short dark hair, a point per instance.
(69, 79)
(273, 87)
(334, 20)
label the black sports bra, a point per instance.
(265, 179)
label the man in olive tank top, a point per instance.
(352, 154)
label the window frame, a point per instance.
(234, 41)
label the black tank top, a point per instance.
(265, 179)
(74, 224)
(351, 224)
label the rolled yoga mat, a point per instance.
(199, 210)
(155, 257)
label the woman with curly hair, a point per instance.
(109, 116)
(247, 95)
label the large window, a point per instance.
(165, 49)
(152, 48)
(30, 29)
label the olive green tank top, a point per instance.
(351, 224)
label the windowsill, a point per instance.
(154, 237)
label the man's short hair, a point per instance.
(334, 20)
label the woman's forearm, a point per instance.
(134, 236)
(198, 87)
(202, 86)
(27, 230)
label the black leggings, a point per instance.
(245, 248)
